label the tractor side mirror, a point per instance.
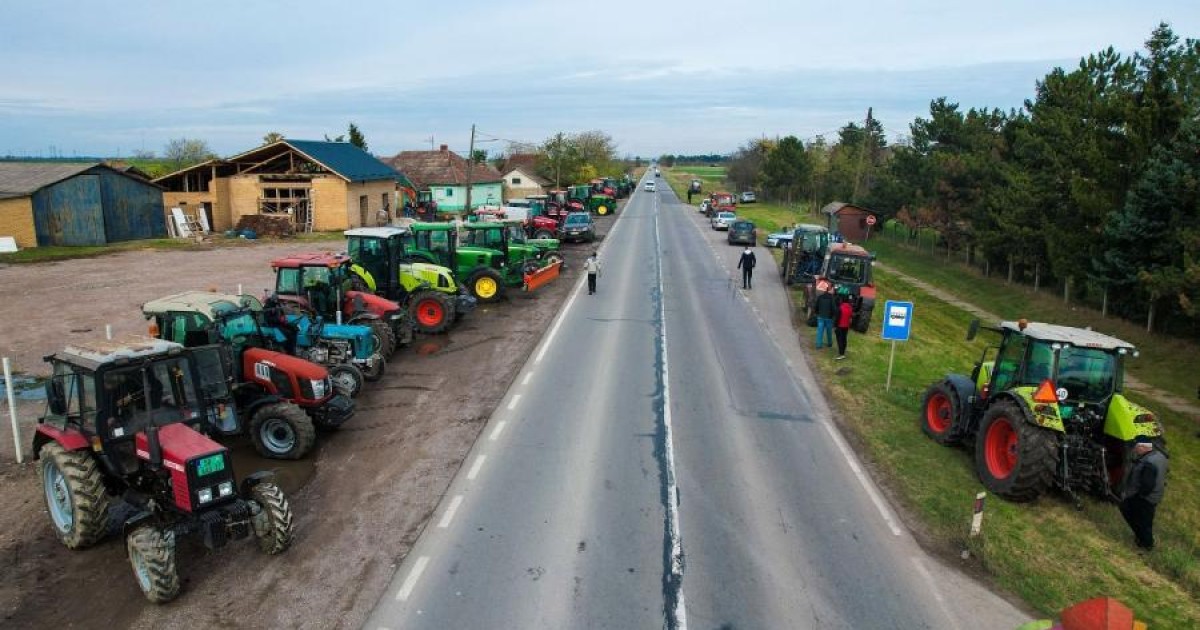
(56, 397)
(972, 329)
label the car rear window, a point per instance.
(743, 225)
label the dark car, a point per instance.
(742, 232)
(578, 226)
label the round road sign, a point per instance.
(870, 219)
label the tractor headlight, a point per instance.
(205, 495)
(318, 388)
(225, 489)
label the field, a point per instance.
(1048, 553)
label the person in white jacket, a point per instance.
(592, 266)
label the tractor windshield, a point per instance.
(516, 234)
(847, 269)
(158, 393)
(1088, 374)
(371, 254)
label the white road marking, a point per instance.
(410, 582)
(475, 467)
(937, 593)
(496, 432)
(448, 515)
(512, 404)
(528, 375)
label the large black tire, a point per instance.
(529, 267)
(862, 319)
(486, 285)
(940, 409)
(273, 522)
(543, 233)
(152, 557)
(282, 431)
(347, 378)
(555, 257)
(810, 311)
(74, 492)
(385, 338)
(375, 373)
(1014, 458)
(432, 311)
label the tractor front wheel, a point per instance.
(273, 521)
(939, 414)
(385, 338)
(376, 371)
(555, 257)
(282, 431)
(432, 311)
(543, 233)
(347, 378)
(486, 285)
(75, 496)
(1013, 457)
(152, 556)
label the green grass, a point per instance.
(53, 253)
(1047, 552)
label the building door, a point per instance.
(362, 210)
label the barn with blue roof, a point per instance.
(320, 186)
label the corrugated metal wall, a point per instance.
(69, 212)
(132, 209)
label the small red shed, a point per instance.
(855, 223)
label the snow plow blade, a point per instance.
(541, 277)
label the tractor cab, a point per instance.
(804, 254)
(846, 270)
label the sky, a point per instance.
(83, 78)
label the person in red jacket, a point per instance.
(845, 313)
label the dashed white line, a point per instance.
(410, 582)
(448, 515)
(937, 593)
(528, 376)
(496, 432)
(471, 474)
(512, 404)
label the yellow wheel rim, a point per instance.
(485, 288)
(602, 210)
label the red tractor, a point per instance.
(721, 202)
(320, 284)
(846, 270)
(123, 424)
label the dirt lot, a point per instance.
(361, 499)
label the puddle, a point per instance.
(290, 474)
(25, 387)
(431, 345)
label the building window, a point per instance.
(449, 192)
(387, 201)
(516, 181)
(283, 200)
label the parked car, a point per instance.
(778, 239)
(748, 197)
(742, 232)
(703, 207)
(722, 220)
(650, 187)
(578, 226)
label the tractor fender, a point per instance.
(70, 439)
(253, 479)
(964, 391)
(1021, 404)
(248, 409)
(135, 521)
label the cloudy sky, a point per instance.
(665, 76)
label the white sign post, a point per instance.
(897, 326)
(12, 410)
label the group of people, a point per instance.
(834, 314)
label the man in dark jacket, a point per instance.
(825, 307)
(746, 264)
(1144, 486)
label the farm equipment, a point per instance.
(721, 202)
(121, 421)
(383, 266)
(588, 197)
(846, 270)
(804, 255)
(277, 398)
(486, 271)
(509, 236)
(1043, 409)
(321, 285)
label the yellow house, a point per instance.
(322, 186)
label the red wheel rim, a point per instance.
(937, 413)
(430, 313)
(1000, 448)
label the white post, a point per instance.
(890, 362)
(239, 288)
(12, 410)
(108, 332)
(977, 517)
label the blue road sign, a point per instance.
(897, 320)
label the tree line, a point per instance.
(1092, 186)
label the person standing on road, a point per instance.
(1144, 486)
(592, 267)
(746, 264)
(845, 313)
(825, 308)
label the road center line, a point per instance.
(410, 582)
(448, 515)
(474, 472)
(496, 432)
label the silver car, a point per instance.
(722, 220)
(779, 239)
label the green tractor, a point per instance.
(509, 236)
(1042, 409)
(591, 198)
(486, 272)
(382, 266)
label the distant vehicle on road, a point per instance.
(748, 197)
(742, 232)
(650, 187)
(722, 220)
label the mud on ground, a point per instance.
(360, 499)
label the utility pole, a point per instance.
(862, 156)
(431, 147)
(470, 165)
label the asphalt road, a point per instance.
(664, 460)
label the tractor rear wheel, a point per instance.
(939, 415)
(282, 431)
(347, 378)
(543, 233)
(862, 320)
(432, 311)
(152, 556)
(1013, 457)
(376, 372)
(385, 338)
(486, 285)
(273, 522)
(74, 493)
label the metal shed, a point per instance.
(84, 204)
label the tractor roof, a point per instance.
(1066, 334)
(848, 249)
(432, 226)
(483, 225)
(320, 259)
(203, 302)
(809, 227)
(383, 231)
(95, 353)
